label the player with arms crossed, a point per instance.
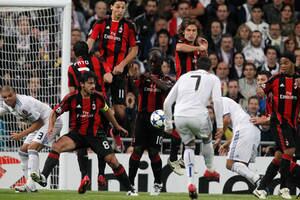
(191, 115)
(244, 143)
(31, 111)
(86, 129)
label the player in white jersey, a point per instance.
(192, 93)
(245, 140)
(31, 111)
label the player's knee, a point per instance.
(153, 152)
(138, 150)
(34, 146)
(57, 147)
(24, 148)
(112, 160)
(190, 145)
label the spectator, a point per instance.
(271, 64)
(248, 83)
(242, 37)
(163, 41)
(236, 71)
(167, 70)
(145, 23)
(245, 11)
(254, 52)
(297, 64)
(229, 26)
(214, 61)
(274, 37)
(297, 32)
(233, 92)
(290, 44)
(272, 11)
(287, 20)
(211, 9)
(222, 72)
(100, 13)
(183, 7)
(214, 35)
(226, 51)
(256, 22)
(253, 106)
(78, 20)
(159, 24)
(75, 36)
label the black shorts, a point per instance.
(99, 144)
(284, 134)
(117, 89)
(147, 135)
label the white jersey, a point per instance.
(192, 93)
(28, 109)
(239, 117)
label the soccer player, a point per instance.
(21, 106)
(244, 143)
(84, 63)
(192, 93)
(152, 91)
(86, 129)
(118, 46)
(283, 122)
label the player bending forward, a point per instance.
(192, 93)
(245, 140)
(86, 130)
(32, 111)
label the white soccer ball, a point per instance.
(157, 118)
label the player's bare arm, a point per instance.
(133, 51)
(52, 120)
(108, 113)
(33, 127)
(90, 43)
(188, 48)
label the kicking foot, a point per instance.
(85, 182)
(39, 178)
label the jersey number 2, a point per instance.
(198, 77)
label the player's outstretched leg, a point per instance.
(208, 155)
(189, 160)
(156, 165)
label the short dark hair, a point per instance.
(266, 73)
(81, 49)
(87, 75)
(112, 2)
(253, 97)
(203, 63)
(8, 88)
(273, 48)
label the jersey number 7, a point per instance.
(198, 77)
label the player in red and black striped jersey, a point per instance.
(152, 91)
(187, 48)
(285, 109)
(118, 46)
(86, 129)
(84, 63)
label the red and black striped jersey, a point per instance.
(150, 97)
(115, 39)
(285, 97)
(85, 115)
(83, 64)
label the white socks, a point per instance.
(189, 160)
(208, 155)
(244, 171)
(24, 162)
(33, 161)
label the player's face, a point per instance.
(286, 66)
(89, 86)
(191, 33)
(9, 98)
(118, 10)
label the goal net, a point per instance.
(33, 51)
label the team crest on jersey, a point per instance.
(58, 110)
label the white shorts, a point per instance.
(29, 138)
(244, 144)
(191, 127)
(41, 134)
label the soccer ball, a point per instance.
(157, 118)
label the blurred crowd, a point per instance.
(246, 39)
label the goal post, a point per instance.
(52, 48)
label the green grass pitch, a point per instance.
(72, 195)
